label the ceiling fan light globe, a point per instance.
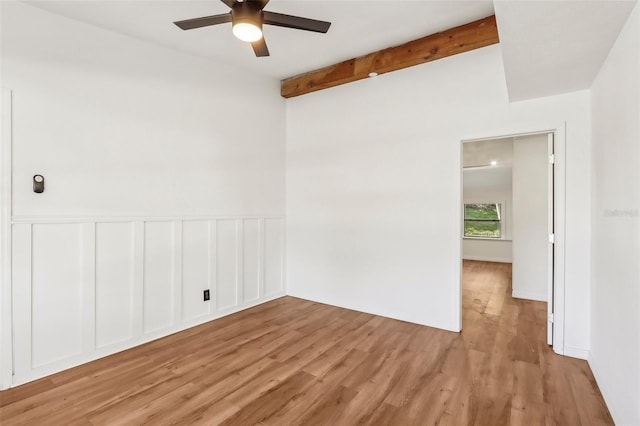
(246, 31)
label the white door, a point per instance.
(551, 231)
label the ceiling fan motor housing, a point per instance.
(247, 12)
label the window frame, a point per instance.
(499, 209)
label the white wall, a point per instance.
(118, 126)
(374, 190)
(482, 185)
(156, 189)
(498, 250)
(615, 302)
(530, 217)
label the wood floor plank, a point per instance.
(326, 384)
(263, 407)
(373, 392)
(416, 372)
(329, 407)
(296, 362)
(209, 405)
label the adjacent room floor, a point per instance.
(292, 361)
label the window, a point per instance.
(482, 220)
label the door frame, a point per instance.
(551, 232)
(559, 220)
(6, 316)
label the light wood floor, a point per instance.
(291, 362)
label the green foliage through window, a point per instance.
(482, 220)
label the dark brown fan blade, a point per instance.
(296, 22)
(229, 3)
(205, 21)
(260, 47)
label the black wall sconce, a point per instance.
(38, 184)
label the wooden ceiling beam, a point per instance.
(464, 38)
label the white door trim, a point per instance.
(559, 220)
(551, 232)
(559, 186)
(6, 338)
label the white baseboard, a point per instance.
(488, 259)
(367, 311)
(66, 364)
(576, 352)
(540, 297)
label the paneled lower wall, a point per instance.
(86, 288)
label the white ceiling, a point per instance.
(552, 47)
(482, 153)
(358, 27)
(487, 179)
(478, 175)
(549, 46)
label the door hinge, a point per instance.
(552, 238)
(550, 317)
(552, 159)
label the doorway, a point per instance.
(512, 220)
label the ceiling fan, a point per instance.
(247, 18)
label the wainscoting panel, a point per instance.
(251, 275)
(21, 293)
(274, 263)
(84, 288)
(56, 291)
(227, 264)
(196, 268)
(114, 283)
(158, 276)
